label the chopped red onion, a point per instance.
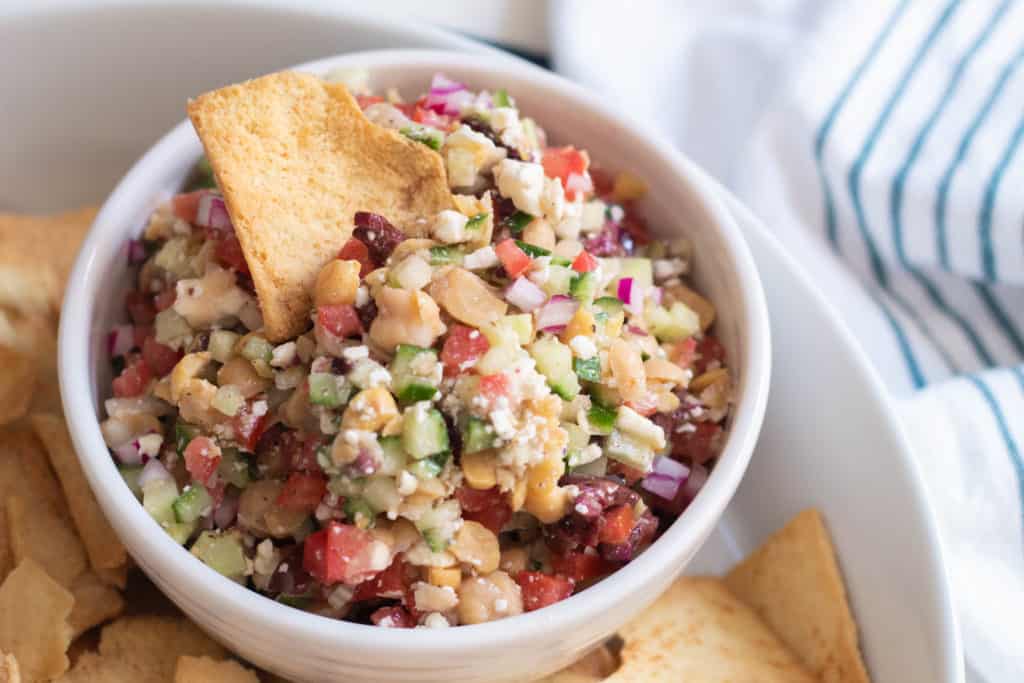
(129, 453)
(554, 329)
(638, 331)
(666, 477)
(656, 294)
(698, 477)
(525, 295)
(120, 340)
(212, 213)
(136, 252)
(447, 96)
(224, 515)
(625, 291)
(154, 471)
(557, 312)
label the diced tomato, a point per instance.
(390, 583)
(133, 379)
(160, 359)
(683, 353)
(514, 259)
(302, 453)
(580, 566)
(202, 457)
(488, 507)
(631, 474)
(341, 320)
(646, 405)
(584, 263)
(463, 345)
(428, 117)
(564, 162)
(709, 349)
(365, 101)
(356, 250)
(699, 445)
(540, 589)
(303, 491)
(165, 299)
(186, 206)
(493, 386)
(249, 427)
(229, 253)
(618, 523)
(140, 308)
(338, 553)
(393, 617)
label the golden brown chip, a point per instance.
(36, 255)
(296, 159)
(104, 548)
(155, 643)
(9, 671)
(34, 626)
(116, 576)
(94, 668)
(17, 384)
(794, 584)
(204, 669)
(699, 632)
(95, 603)
(38, 532)
(594, 667)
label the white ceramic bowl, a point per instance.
(306, 647)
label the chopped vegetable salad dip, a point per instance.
(478, 423)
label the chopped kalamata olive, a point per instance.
(377, 233)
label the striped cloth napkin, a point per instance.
(883, 142)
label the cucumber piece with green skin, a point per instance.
(257, 348)
(476, 222)
(430, 137)
(223, 552)
(510, 329)
(158, 498)
(517, 222)
(130, 474)
(554, 361)
(629, 451)
(183, 434)
(192, 504)
(393, 455)
(637, 268)
(429, 468)
(500, 98)
(409, 386)
(605, 395)
(597, 468)
(532, 250)
(424, 432)
(601, 419)
(437, 525)
(381, 493)
(583, 287)
(587, 369)
(559, 280)
(234, 468)
(359, 512)
(446, 256)
(180, 531)
(222, 345)
(477, 436)
(324, 390)
(609, 304)
(435, 541)
(561, 261)
(676, 323)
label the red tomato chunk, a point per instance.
(355, 250)
(580, 566)
(341, 320)
(202, 457)
(133, 380)
(513, 259)
(540, 589)
(160, 359)
(337, 553)
(463, 345)
(302, 491)
(618, 523)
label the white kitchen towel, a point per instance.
(883, 143)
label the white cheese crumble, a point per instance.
(450, 227)
(354, 353)
(482, 258)
(521, 182)
(583, 346)
(283, 355)
(435, 620)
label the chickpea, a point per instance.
(490, 597)
(405, 317)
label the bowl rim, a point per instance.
(227, 597)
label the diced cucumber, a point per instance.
(510, 329)
(637, 268)
(597, 468)
(223, 552)
(158, 500)
(409, 376)
(431, 137)
(222, 345)
(609, 304)
(437, 525)
(324, 390)
(500, 98)
(366, 373)
(446, 256)
(559, 280)
(257, 348)
(578, 440)
(183, 434)
(234, 467)
(428, 468)
(381, 493)
(629, 451)
(561, 261)
(170, 328)
(588, 369)
(477, 436)
(130, 474)
(345, 486)
(583, 286)
(601, 419)
(192, 504)
(393, 455)
(180, 531)
(435, 541)
(499, 358)
(359, 512)
(605, 395)
(424, 432)
(675, 324)
(476, 222)
(532, 250)
(554, 361)
(517, 222)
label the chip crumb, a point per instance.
(205, 669)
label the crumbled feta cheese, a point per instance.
(668, 268)
(450, 227)
(504, 426)
(552, 200)
(259, 408)
(362, 297)
(482, 258)
(505, 122)
(387, 115)
(283, 355)
(522, 182)
(501, 605)
(149, 445)
(635, 424)
(431, 598)
(593, 216)
(407, 483)
(568, 227)
(468, 153)
(354, 353)
(436, 620)
(583, 346)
